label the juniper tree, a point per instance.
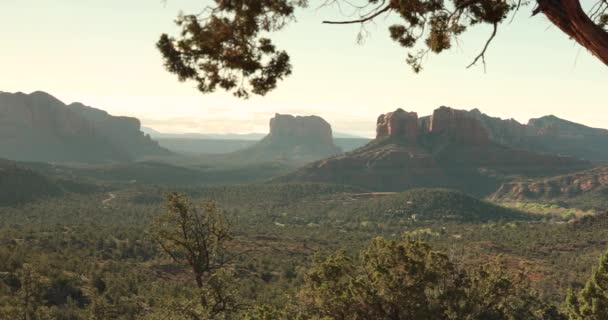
(226, 45)
(196, 236)
(591, 303)
(406, 279)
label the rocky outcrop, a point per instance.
(454, 125)
(39, 127)
(398, 124)
(37, 112)
(295, 139)
(308, 129)
(475, 127)
(561, 187)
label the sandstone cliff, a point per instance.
(458, 126)
(450, 124)
(398, 124)
(311, 130)
(124, 132)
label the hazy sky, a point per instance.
(102, 53)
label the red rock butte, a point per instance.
(313, 128)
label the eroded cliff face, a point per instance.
(458, 126)
(454, 125)
(398, 124)
(38, 112)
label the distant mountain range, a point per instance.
(196, 146)
(39, 127)
(226, 136)
(293, 141)
(203, 136)
(210, 143)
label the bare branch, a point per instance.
(362, 20)
(482, 54)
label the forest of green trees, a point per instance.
(295, 252)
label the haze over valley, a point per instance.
(337, 160)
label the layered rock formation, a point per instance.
(451, 148)
(39, 127)
(455, 125)
(459, 126)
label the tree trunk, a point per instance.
(569, 16)
(199, 279)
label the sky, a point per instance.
(102, 53)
